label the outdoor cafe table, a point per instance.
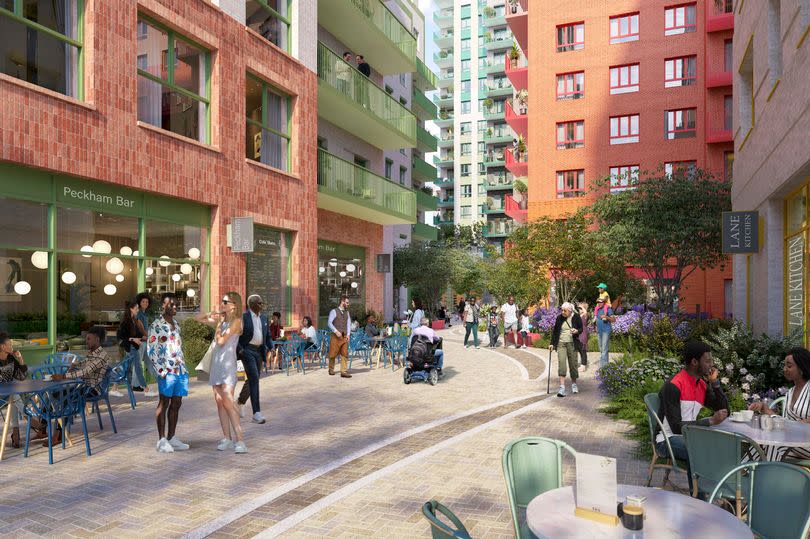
(377, 349)
(667, 514)
(22, 387)
(795, 434)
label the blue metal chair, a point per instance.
(779, 405)
(55, 368)
(59, 403)
(61, 357)
(324, 337)
(670, 463)
(291, 351)
(94, 396)
(122, 374)
(358, 346)
(313, 349)
(396, 346)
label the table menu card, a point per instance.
(596, 491)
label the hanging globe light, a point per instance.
(164, 263)
(22, 287)
(110, 289)
(136, 253)
(86, 249)
(176, 277)
(39, 259)
(125, 250)
(354, 285)
(68, 277)
(102, 246)
(119, 278)
(115, 265)
(185, 269)
(194, 253)
(191, 292)
(150, 271)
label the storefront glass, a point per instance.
(341, 270)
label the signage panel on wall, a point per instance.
(242, 234)
(740, 232)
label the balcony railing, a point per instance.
(426, 79)
(425, 141)
(425, 232)
(519, 74)
(719, 15)
(519, 25)
(423, 107)
(502, 228)
(519, 167)
(518, 122)
(423, 170)
(717, 136)
(443, 17)
(516, 210)
(346, 188)
(425, 201)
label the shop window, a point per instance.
(680, 71)
(41, 43)
(570, 135)
(680, 19)
(570, 183)
(340, 271)
(571, 37)
(173, 241)
(680, 169)
(267, 268)
(173, 90)
(623, 177)
(184, 279)
(267, 130)
(624, 28)
(95, 232)
(624, 79)
(680, 123)
(624, 129)
(23, 223)
(271, 20)
(24, 295)
(571, 85)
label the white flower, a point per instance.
(749, 377)
(755, 396)
(730, 367)
(745, 396)
(746, 386)
(724, 381)
(743, 370)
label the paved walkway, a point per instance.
(345, 457)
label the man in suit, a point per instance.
(254, 347)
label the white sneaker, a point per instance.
(240, 447)
(177, 445)
(574, 389)
(583, 368)
(163, 446)
(150, 393)
(259, 418)
(477, 347)
(242, 410)
(115, 393)
(561, 392)
(224, 444)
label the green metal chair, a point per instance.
(777, 495)
(779, 404)
(531, 466)
(439, 529)
(666, 462)
(712, 453)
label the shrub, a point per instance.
(661, 340)
(614, 378)
(197, 338)
(191, 329)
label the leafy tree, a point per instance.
(512, 276)
(423, 267)
(467, 270)
(668, 226)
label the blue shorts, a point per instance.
(174, 385)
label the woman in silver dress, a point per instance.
(228, 323)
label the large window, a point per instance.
(571, 37)
(624, 129)
(680, 71)
(571, 85)
(680, 123)
(267, 136)
(728, 55)
(466, 191)
(570, 183)
(680, 169)
(173, 82)
(680, 19)
(624, 79)
(271, 19)
(42, 43)
(623, 177)
(624, 28)
(570, 135)
(341, 270)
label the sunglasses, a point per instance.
(226, 300)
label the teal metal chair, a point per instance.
(531, 466)
(666, 462)
(779, 404)
(712, 453)
(777, 495)
(439, 529)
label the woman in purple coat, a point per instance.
(583, 337)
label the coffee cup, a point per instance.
(47, 377)
(744, 415)
(632, 517)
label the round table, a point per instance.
(668, 514)
(796, 433)
(377, 349)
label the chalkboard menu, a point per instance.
(266, 268)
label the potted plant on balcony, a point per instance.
(442, 53)
(488, 104)
(513, 5)
(521, 147)
(490, 203)
(514, 54)
(523, 101)
(489, 12)
(519, 190)
(489, 132)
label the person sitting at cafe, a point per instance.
(92, 369)
(13, 368)
(371, 327)
(308, 332)
(683, 396)
(425, 330)
(275, 335)
(797, 403)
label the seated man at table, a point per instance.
(425, 330)
(683, 396)
(371, 327)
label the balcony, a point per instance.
(443, 18)
(446, 202)
(491, 19)
(424, 232)
(348, 189)
(499, 182)
(518, 122)
(444, 183)
(422, 170)
(445, 80)
(501, 136)
(443, 40)
(443, 59)
(516, 210)
(499, 90)
(518, 167)
(494, 159)
(498, 44)
(444, 119)
(425, 79)
(719, 15)
(369, 26)
(718, 79)
(494, 114)
(718, 136)
(446, 142)
(351, 101)
(443, 220)
(518, 75)
(425, 201)
(499, 228)
(422, 107)
(493, 68)
(425, 141)
(519, 24)
(496, 208)
(444, 161)
(444, 100)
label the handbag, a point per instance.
(205, 363)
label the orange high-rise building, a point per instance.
(621, 86)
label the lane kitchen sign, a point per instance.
(740, 232)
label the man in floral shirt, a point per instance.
(165, 349)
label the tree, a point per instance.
(423, 267)
(467, 270)
(668, 226)
(512, 276)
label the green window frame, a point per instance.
(17, 14)
(264, 123)
(171, 60)
(286, 20)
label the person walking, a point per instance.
(254, 351)
(417, 315)
(144, 301)
(470, 316)
(567, 328)
(524, 328)
(509, 313)
(130, 339)
(228, 325)
(603, 314)
(340, 324)
(583, 337)
(165, 351)
(492, 327)
(460, 310)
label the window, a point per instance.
(403, 174)
(173, 90)
(680, 168)
(624, 28)
(465, 170)
(624, 129)
(623, 177)
(267, 132)
(465, 65)
(571, 85)
(389, 166)
(465, 23)
(680, 71)
(570, 183)
(466, 211)
(728, 112)
(482, 168)
(571, 37)
(728, 55)
(774, 41)
(464, 86)
(570, 135)
(465, 107)
(680, 19)
(482, 147)
(270, 19)
(466, 148)
(680, 123)
(41, 44)
(466, 191)
(465, 44)
(624, 79)
(482, 189)
(728, 165)
(482, 126)
(464, 128)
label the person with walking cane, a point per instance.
(565, 339)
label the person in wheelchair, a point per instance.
(426, 331)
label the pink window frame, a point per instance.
(675, 16)
(689, 163)
(629, 168)
(629, 126)
(688, 130)
(572, 74)
(620, 67)
(566, 142)
(630, 32)
(572, 43)
(682, 59)
(565, 190)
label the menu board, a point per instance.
(265, 268)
